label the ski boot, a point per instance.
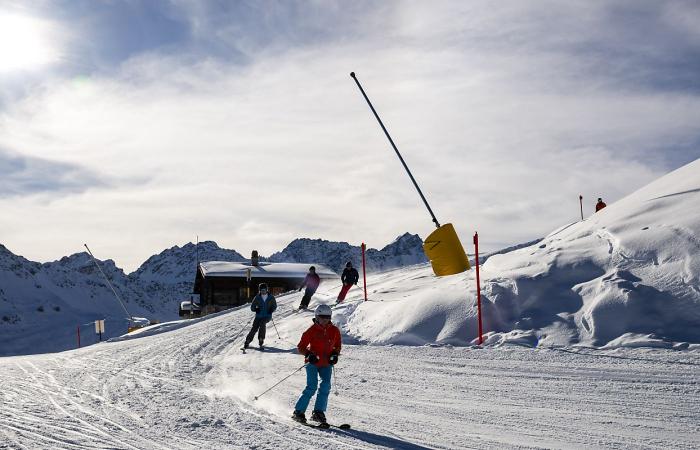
(299, 416)
(318, 416)
(260, 346)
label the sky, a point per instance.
(135, 126)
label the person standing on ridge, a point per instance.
(320, 345)
(349, 277)
(600, 205)
(311, 283)
(264, 304)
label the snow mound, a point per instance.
(625, 277)
(630, 268)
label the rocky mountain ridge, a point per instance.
(56, 298)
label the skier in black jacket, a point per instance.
(349, 277)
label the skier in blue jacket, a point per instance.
(264, 304)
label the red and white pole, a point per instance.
(478, 285)
(364, 271)
(78, 336)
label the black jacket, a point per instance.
(350, 276)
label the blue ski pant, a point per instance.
(312, 375)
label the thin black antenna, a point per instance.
(131, 318)
(352, 74)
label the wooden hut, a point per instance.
(222, 284)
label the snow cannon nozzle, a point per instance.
(352, 74)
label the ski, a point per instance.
(325, 426)
(243, 350)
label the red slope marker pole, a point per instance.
(364, 271)
(580, 200)
(478, 285)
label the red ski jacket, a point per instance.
(321, 341)
(599, 206)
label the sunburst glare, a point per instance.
(24, 43)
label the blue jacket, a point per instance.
(264, 308)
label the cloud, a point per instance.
(505, 114)
(24, 175)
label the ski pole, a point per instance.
(280, 381)
(334, 383)
(278, 333)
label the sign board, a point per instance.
(99, 326)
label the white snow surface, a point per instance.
(186, 385)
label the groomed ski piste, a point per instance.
(592, 342)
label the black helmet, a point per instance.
(262, 286)
(312, 268)
(348, 264)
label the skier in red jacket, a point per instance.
(600, 205)
(320, 344)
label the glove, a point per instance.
(257, 309)
(301, 288)
(313, 359)
(333, 359)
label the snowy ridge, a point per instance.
(405, 250)
(41, 305)
(176, 264)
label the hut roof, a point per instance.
(263, 269)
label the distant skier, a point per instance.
(311, 283)
(320, 344)
(600, 205)
(264, 304)
(349, 277)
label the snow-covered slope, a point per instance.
(626, 276)
(629, 270)
(188, 386)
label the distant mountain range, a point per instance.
(43, 305)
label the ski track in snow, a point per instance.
(192, 388)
